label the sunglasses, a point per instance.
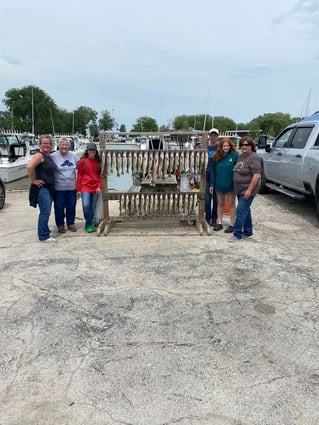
(244, 144)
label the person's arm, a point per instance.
(252, 184)
(212, 176)
(79, 177)
(34, 161)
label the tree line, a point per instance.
(30, 109)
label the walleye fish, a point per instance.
(161, 203)
(156, 203)
(191, 161)
(147, 204)
(145, 164)
(113, 161)
(171, 204)
(122, 206)
(123, 162)
(151, 202)
(108, 163)
(165, 207)
(118, 164)
(129, 162)
(134, 163)
(150, 164)
(142, 204)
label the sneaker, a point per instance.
(248, 236)
(90, 229)
(49, 240)
(218, 227)
(234, 240)
(72, 228)
(229, 229)
(61, 229)
(213, 222)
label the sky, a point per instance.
(164, 58)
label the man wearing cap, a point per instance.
(211, 207)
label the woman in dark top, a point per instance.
(246, 182)
(41, 170)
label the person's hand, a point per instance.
(247, 194)
(38, 182)
(78, 195)
(98, 191)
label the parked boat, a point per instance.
(15, 151)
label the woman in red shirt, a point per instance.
(89, 183)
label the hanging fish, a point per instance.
(165, 207)
(118, 164)
(197, 162)
(108, 163)
(122, 200)
(151, 208)
(137, 203)
(113, 161)
(176, 203)
(127, 204)
(155, 165)
(161, 163)
(123, 162)
(156, 203)
(150, 164)
(142, 205)
(140, 162)
(186, 161)
(166, 164)
(161, 203)
(147, 204)
(145, 164)
(181, 162)
(171, 164)
(171, 204)
(134, 163)
(186, 204)
(191, 161)
(129, 162)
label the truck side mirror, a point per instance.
(268, 147)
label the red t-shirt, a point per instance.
(88, 178)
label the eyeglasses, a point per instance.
(244, 144)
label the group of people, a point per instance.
(60, 178)
(230, 175)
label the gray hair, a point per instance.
(65, 140)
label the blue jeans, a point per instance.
(243, 222)
(64, 206)
(45, 204)
(89, 200)
(210, 211)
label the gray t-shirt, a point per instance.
(246, 166)
(65, 176)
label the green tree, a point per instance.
(84, 119)
(29, 109)
(145, 124)
(123, 128)
(106, 122)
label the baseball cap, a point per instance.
(91, 146)
(213, 130)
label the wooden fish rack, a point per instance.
(157, 168)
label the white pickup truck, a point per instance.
(290, 165)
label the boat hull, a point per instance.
(10, 172)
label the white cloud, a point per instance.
(162, 59)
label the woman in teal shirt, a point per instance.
(221, 181)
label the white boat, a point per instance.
(15, 152)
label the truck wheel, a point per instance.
(263, 188)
